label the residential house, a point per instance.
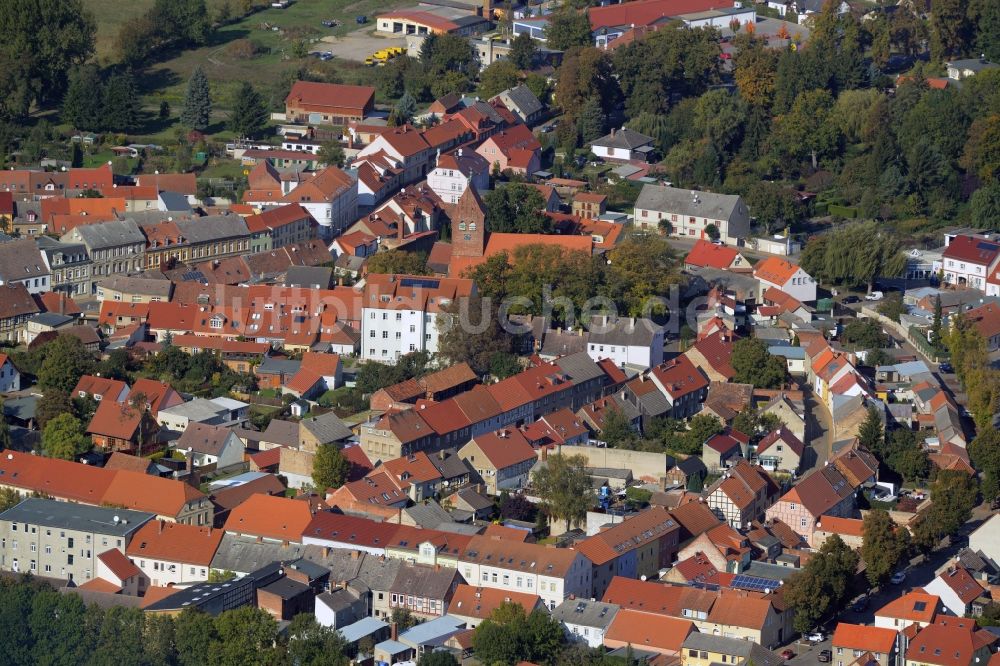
(823, 491)
(638, 546)
(554, 574)
(785, 276)
(416, 474)
(986, 320)
(474, 604)
(211, 445)
(967, 261)
(378, 489)
(21, 262)
(690, 213)
(850, 531)
(627, 341)
(648, 632)
(317, 374)
(986, 539)
(404, 150)
(423, 590)
(708, 254)
(850, 641)
(522, 102)
(122, 427)
(69, 265)
(780, 449)
(950, 642)
(45, 537)
(624, 145)
(514, 148)
(99, 388)
(686, 471)
(963, 69)
(725, 449)
(454, 171)
(957, 589)
(914, 607)
(503, 459)
(590, 205)
(215, 412)
(132, 289)
(701, 649)
(115, 248)
(16, 308)
(278, 227)
(10, 377)
(586, 621)
(172, 553)
(270, 518)
(742, 495)
(116, 575)
(314, 103)
(437, 386)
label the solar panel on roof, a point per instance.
(426, 283)
(754, 583)
(989, 247)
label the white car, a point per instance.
(815, 637)
(874, 296)
(898, 577)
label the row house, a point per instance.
(207, 238)
(21, 262)
(454, 171)
(16, 307)
(554, 574)
(823, 492)
(115, 248)
(67, 481)
(406, 147)
(172, 553)
(69, 264)
(515, 149)
(674, 389)
(423, 590)
(781, 274)
(503, 459)
(690, 213)
(279, 227)
(330, 196)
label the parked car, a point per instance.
(787, 654)
(875, 296)
(361, 20)
(898, 577)
(815, 637)
(946, 368)
(825, 656)
(850, 299)
(861, 605)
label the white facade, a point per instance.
(800, 286)
(337, 214)
(553, 590)
(10, 378)
(162, 573)
(986, 538)
(949, 598)
(592, 636)
(346, 545)
(966, 273)
(639, 356)
(34, 285)
(449, 184)
(388, 334)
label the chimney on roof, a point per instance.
(393, 631)
(160, 531)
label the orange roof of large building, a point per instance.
(504, 448)
(775, 270)
(860, 637)
(175, 542)
(270, 517)
(948, 642)
(113, 419)
(310, 94)
(650, 525)
(276, 217)
(962, 584)
(645, 631)
(436, 23)
(646, 12)
(143, 492)
(836, 525)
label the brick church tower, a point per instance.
(468, 225)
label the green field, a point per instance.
(274, 34)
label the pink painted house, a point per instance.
(825, 491)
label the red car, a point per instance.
(787, 654)
(726, 56)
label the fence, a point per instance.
(913, 335)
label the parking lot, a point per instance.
(357, 45)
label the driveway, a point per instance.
(819, 432)
(357, 45)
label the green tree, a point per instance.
(40, 43)
(892, 306)
(405, 109)
(700, 429)
(398, 262)
(639, 273)
(951, 31)
(937, 323)
(437, 659)
(194, 634)
(564, 487)
(246, 636)
(9, 498)
(806, 130)
(883, 546)
(774, 205)
(567, 29)
(586, 73)
(197, 110)
(63, 437)
(755, 365)
(523, 51)
(982, 150)
(403, 618)
(871, 434)
(330, 467)
(953, 494)
(65, 361)
(496, 78)
(988, 42)
(51, 405)
(312, 644)
(823, 585)
(617, 430)
(446, 53)
(516, 208)
(473, 334)
(331, 153)
(590, 120)
(248, 116)
(985, 453)
(905, 456)
(81, 106)
(121, 103)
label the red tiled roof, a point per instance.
(705, 253)
(480, 602)
(986, 319)
(332, 95)
(645, 12)
(113, 419)
(504, 448)
(679, 377)
(962, 584)
(645, 631)
(859, 637)
(278, 518)
(717, 349)
(276, 217)
(118, 564)
(650, 525)
(175, 542)
(972, 250)
(916, 606)
(836, 525)
(784, 436)
(948, 642)
(775, 270)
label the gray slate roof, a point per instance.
(108, 234)
(579, 367)
(683, 202)
(271, 365)
(21, 260)
(327, 428)
(281, 432)
(632, 332)
(308, 276)
(585, 613)
(138, 285)
(747, 650)
(204, 439)
(624, 138)
(212, 228)
(72, 516)
(524, 101)
(72, 253)
(51, 319)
